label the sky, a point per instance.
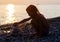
(30, 2)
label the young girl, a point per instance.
(39, 22)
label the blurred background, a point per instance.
(15, 10)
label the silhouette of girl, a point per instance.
(39, 22)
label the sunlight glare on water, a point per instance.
(10, 12)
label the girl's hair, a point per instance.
(32, 10)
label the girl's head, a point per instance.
(32, 10)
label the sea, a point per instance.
(11, 13)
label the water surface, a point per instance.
(12, 13)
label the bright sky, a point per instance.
(30, 1)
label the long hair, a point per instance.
(32, 10)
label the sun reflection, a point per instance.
(10, 14)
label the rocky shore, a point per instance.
(7, 34)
